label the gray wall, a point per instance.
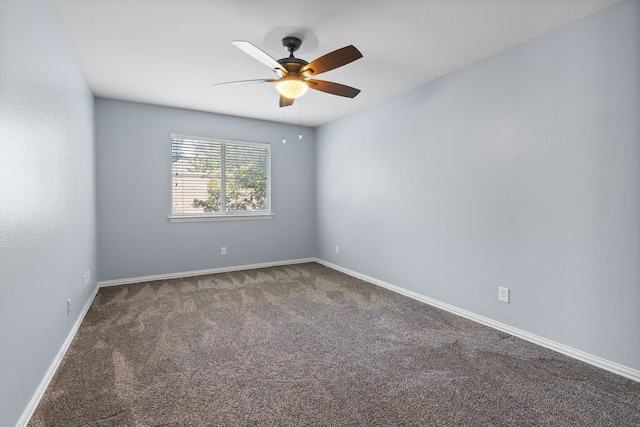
(522, 170)
(47, 198)
(134, 197)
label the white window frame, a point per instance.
(222, 215)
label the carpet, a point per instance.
(305, 345)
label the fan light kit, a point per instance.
(292, 87)
(293, 75)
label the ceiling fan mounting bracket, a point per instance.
(291, 44)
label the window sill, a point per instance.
(228, 217)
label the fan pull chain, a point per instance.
(284, 126)
(300, 121)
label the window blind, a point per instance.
(219, 177)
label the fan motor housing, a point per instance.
(291, 64)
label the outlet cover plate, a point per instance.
(503, 294)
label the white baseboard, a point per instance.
(201, 272)
(37, 396)
(599, 362)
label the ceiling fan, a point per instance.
(294, 75)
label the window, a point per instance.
(214, 179)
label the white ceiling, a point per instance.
(170, 52)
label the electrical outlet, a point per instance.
(223, 250)
(86, 278)
(503, 294)
(337, 249)
(69, 307)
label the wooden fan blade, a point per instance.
(285, 102)
(334, 88)
(259, 55)
(331, 60)
(239, 82)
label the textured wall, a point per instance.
(134, 198)
(522, 170)
(47, 198)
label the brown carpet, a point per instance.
(305, 345)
